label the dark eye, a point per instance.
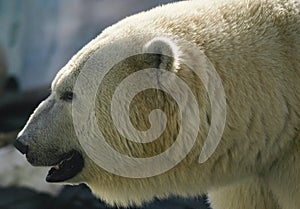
(67, 96)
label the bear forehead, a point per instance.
(64, 80)
(102, 53)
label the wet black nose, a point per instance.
(20, 146)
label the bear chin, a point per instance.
(69, 165)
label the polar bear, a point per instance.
(254, 47)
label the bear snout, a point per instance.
(19, 144)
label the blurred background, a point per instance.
(37, 38)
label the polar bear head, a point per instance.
(60, 132)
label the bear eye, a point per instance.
(67, 96)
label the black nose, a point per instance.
(20, 146)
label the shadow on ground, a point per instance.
(80, 197)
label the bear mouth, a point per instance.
(69, 165)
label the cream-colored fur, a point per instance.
(251, 192)
(255, 47)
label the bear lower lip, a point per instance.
(69, 166)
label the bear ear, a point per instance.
(166, 51)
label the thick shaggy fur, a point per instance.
(254, 46)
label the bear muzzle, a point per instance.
(23, 148)
(66, 166)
